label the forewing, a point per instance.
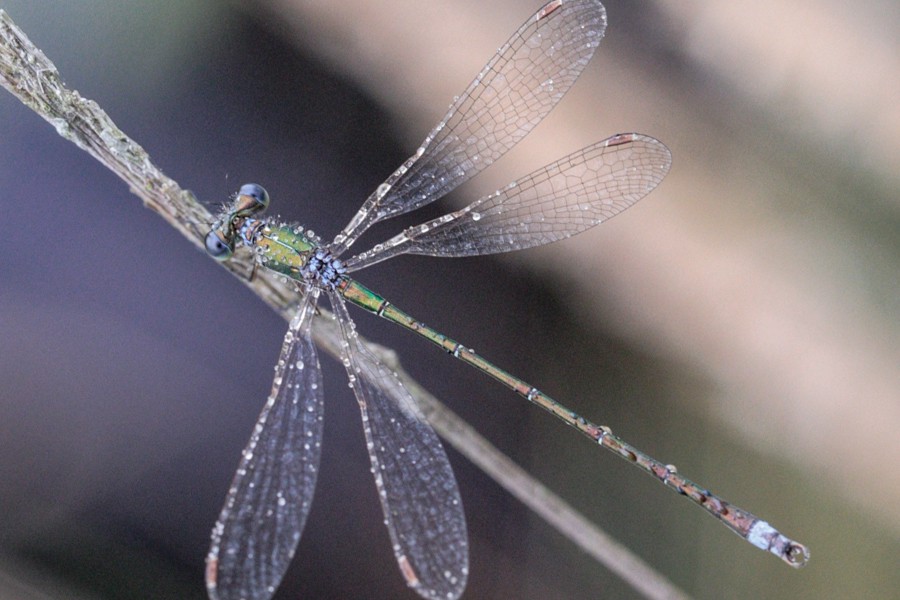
(418, 492)
(564, 198)
(515, 90)
(265, 511)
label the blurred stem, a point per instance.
(33, 79)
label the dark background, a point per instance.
(133, 369)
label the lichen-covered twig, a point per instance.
(29, 75)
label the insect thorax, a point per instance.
(289, 250)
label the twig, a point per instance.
(27, 73)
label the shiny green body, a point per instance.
(284, 249)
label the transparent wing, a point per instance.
(562, 199)
(259, 527)
(514, 91)
(419, 497)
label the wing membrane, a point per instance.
(553, 203)
(512, 94)
(419, 497)
(266, 508)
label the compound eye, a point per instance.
(218, 247)
(252, 199)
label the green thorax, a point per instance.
(283, 248)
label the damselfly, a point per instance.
(268, 502)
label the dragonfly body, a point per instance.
(266, 508)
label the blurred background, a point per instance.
(741, 322)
